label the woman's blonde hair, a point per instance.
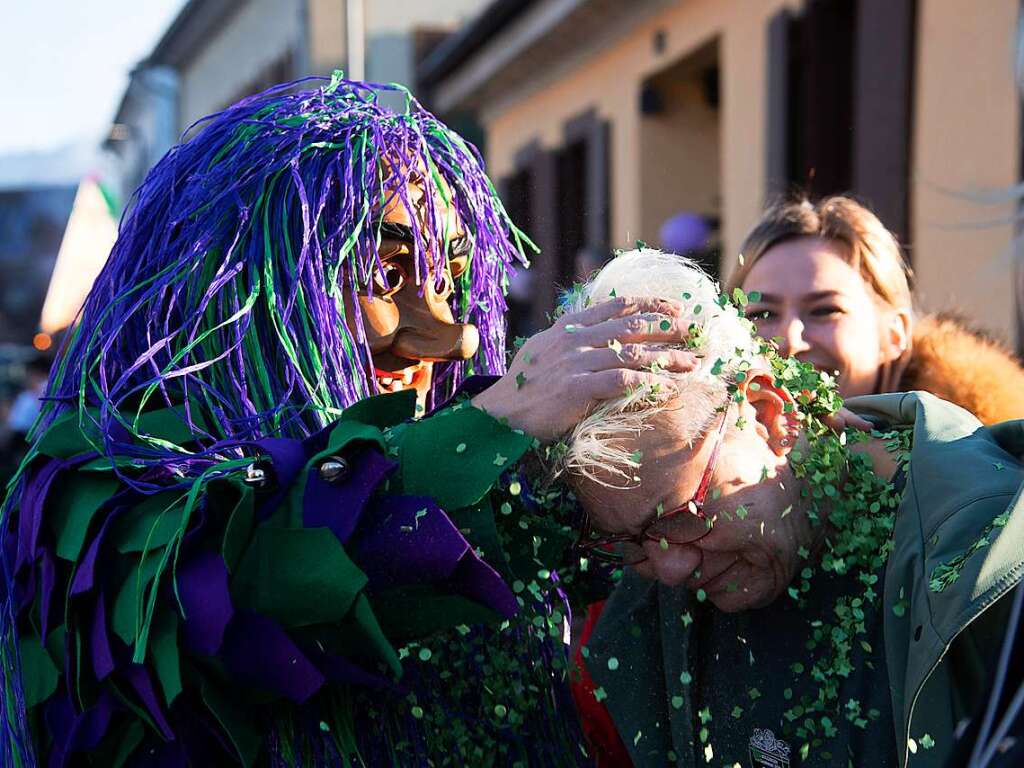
(867, 246)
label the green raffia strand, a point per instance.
(144, 622)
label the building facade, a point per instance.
(605, 119)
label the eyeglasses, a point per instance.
(685, 524)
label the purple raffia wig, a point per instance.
(226, 285)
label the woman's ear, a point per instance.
(896, 334)
(774, 408)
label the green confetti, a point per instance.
(425, 654)
(677, 702)
(737, 712)
(741, 512)
(665, 325)
(685, 677)
(927, 741)
(500, 710)
(701, 595)
(460, 448)
(599, 694)
(417, 712)
(500, 460)
(613, 663)
(520, 380)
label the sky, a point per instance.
(64, 66)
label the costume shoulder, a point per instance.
(965, 367)
(205, 616)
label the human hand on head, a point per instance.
(844, 419)
(562, 373)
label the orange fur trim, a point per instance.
(965, 367)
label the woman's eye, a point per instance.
(760, 313)
(390, 279)
(827, 311)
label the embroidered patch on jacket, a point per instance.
(766, 751)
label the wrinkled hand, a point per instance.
(561, 374)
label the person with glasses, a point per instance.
(788, 595)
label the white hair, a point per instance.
(595, 447)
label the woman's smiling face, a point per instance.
(823, 312)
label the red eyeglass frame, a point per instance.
(600, 547)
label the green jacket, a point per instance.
(964, 480)
(940, 635)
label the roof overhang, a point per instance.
(190, 30)
(487, 61)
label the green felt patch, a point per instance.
(235, 721)
(297, 576)
(128, 603)
(65, 439)
(433, 464)
(73, 508)
(130, 738)
(383, 411)
(418, 611)
(371, 636)
(164, 650)
(38, 672)
(150, 524)
(238, 529)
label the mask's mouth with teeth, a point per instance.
(412, 377)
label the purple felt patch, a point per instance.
(258, 652)
(339, 506)
(203, 589)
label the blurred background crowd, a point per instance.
(602, 122)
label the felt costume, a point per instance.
(221, 550)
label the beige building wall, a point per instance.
(609, 80)
(966, 141)
(681, 150)
(258, 35)
(327, 36)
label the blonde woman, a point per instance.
(831, 285)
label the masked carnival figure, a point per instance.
(260, 524)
